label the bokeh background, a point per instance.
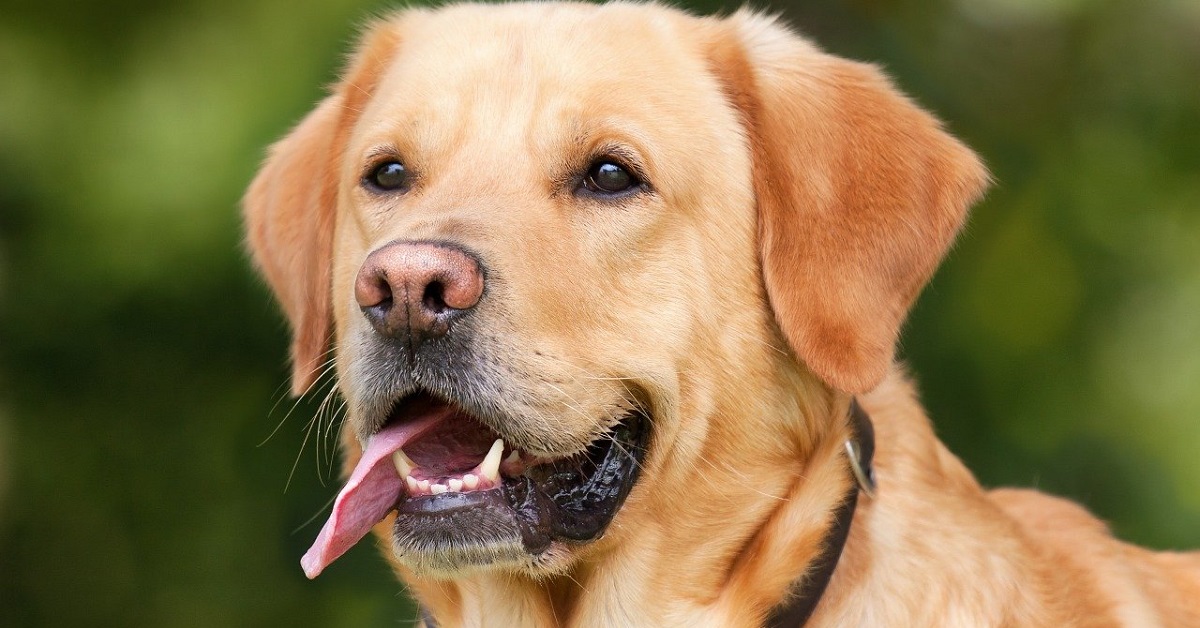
(142, 363)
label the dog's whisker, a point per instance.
(335, 422)
(307, 433)
(322, 369)
(320, 511)
(281, 391)
(290, 410)
(295, 404)
(320, 417)
(313, 424)
(577, 583)
(570, 402)
(279, 394)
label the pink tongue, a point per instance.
(368, 495)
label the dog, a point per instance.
(613, 293)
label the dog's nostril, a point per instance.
(372, 289)
(434, 298)
(378, 313)
(383, 292)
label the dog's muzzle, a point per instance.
(441, 453)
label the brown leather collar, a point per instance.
(794, 611)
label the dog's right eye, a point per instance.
(608, 178)
(388, 176)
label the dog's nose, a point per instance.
(415, 290)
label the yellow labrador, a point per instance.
(614, 292)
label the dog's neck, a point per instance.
(798, 607)
(744, 533)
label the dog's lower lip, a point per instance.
(446, 503)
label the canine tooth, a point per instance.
(424, 486)
(490, 467)
(470, 481)
(455, 485)
(412, 485)
(438, 489)
(404, 464)
(513, 456)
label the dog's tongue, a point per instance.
(368, 495)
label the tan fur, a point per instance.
(799, 204)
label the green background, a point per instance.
(141, 362)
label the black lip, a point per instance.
(573, 499)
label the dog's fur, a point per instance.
(797, 205)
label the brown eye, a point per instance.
(388, 176)
(608, 178)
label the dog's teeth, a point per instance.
(470, 481)
(490, 467)
(412, 485)
(404, 464)
(423, 485)
(513, 456)
(455, 485)
(438, 489)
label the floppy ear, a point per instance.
(290, 208)
(859, 192)
(289, 211)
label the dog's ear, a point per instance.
(290, 208)
(289, 211)
(859, 191)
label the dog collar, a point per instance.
(797, 608)
(860, 450)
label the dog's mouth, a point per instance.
(464, 497)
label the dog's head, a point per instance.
(559, 247)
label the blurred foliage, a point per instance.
(140, 359)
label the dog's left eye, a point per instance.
(608, 178)
(388, 176)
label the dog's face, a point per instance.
(571, 254)
(570, 190)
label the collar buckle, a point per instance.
(864, 474)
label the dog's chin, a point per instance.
(455, 535)
(532, 516)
